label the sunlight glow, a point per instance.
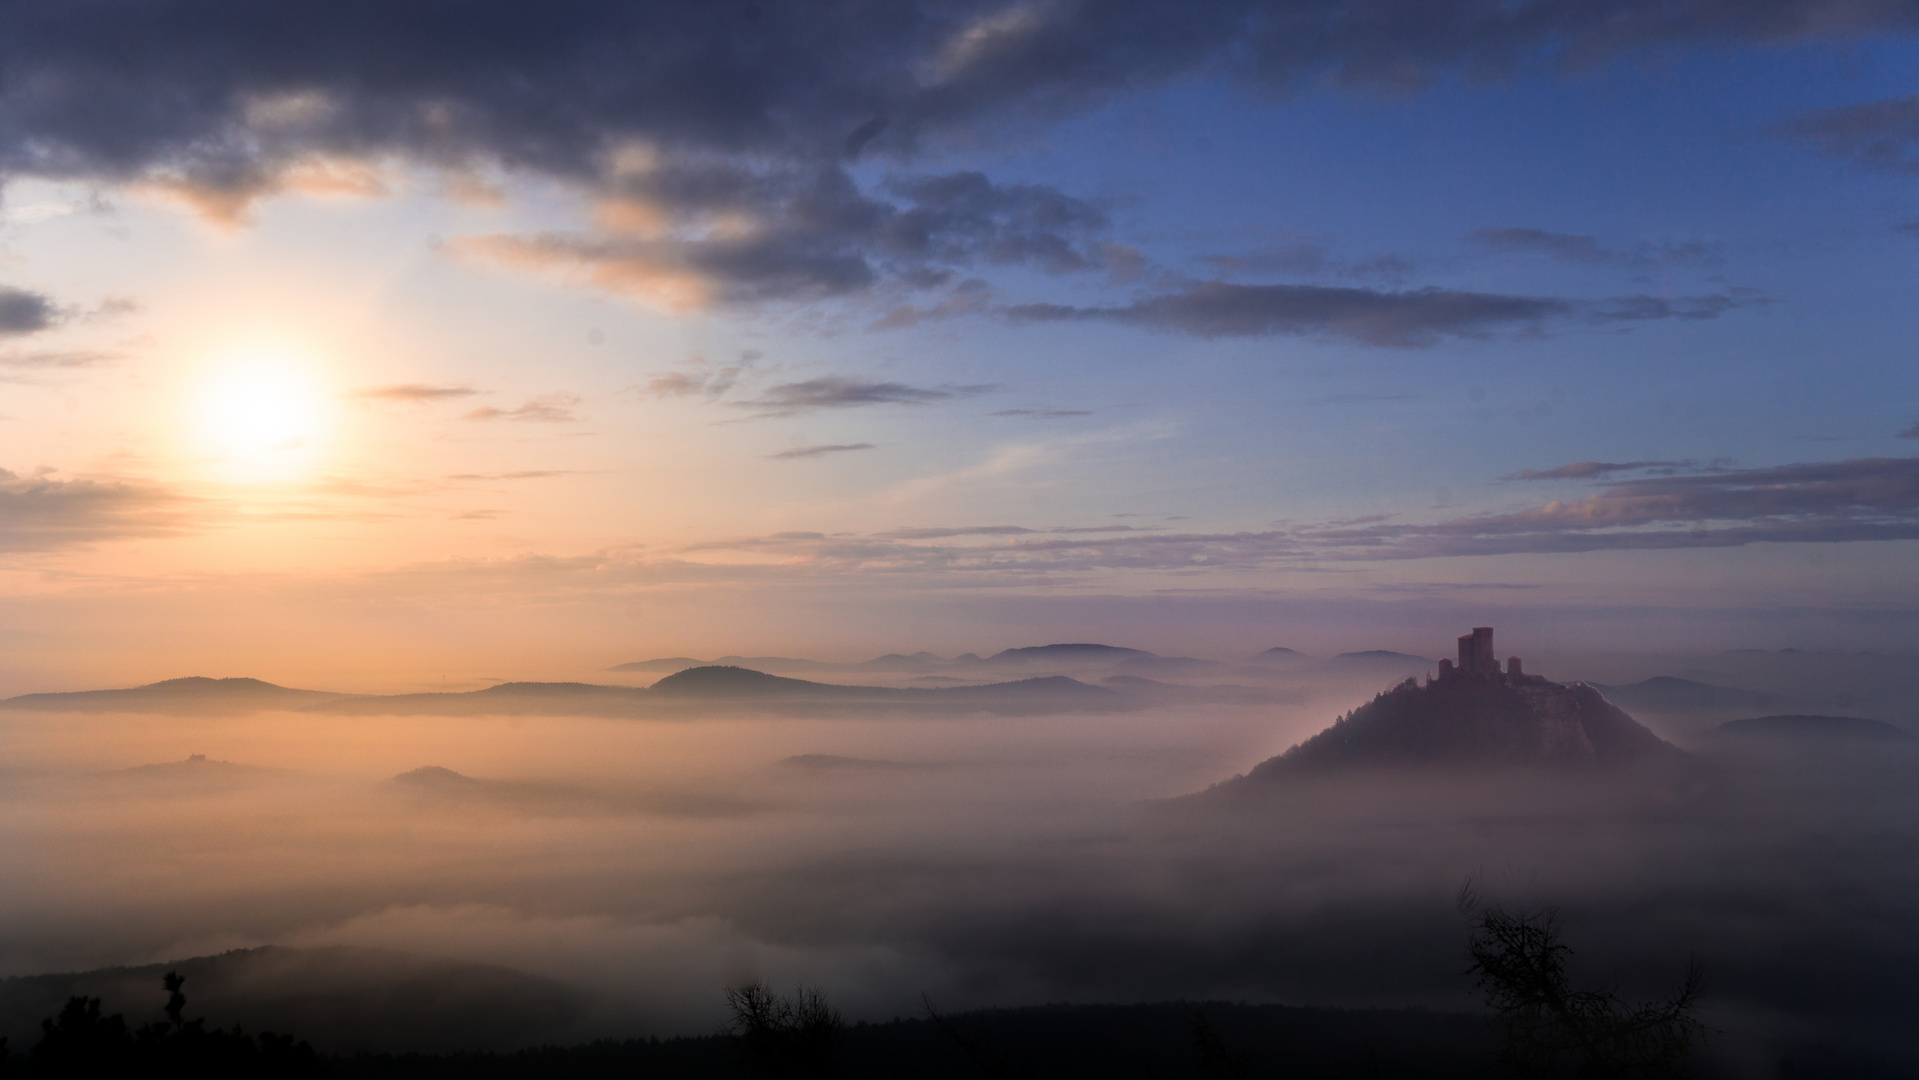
(263, 415)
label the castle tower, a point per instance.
(1476, 652)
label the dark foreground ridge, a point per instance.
(1051, 1042)
(1475, 715)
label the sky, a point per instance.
(396, 345)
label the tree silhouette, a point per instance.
(80, 1042)
(1215, 1060)
(797, 1036)
(1550, 1027)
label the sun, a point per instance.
(262, 414)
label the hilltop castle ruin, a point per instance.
(1476, 659)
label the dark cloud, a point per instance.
(839, 392)
(546, 409)
(1413, 318)
(1911, 432)
(23, 312)
(820, 451)
(227, 95)
(414, 392)
(964, 218)
(1586, 470)
(691, 234)
(38, 513)
(1882, 135)
(1574, 248)
(1908, 227)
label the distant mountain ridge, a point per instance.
(198, 691)
(709, 684)
(1665, 693)
(1065, 653)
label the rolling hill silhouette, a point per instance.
(726, 681)
(197, 693)
(1382, 658)
(1664, 693)
(1068, 654)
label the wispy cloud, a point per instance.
(546, 409)
(1413, 318)
(412, 392)
(1879, 135)
(841, 392)
(42, 512)
(1045, 414)
(1587, 470)
(54, 361)
(1587, 250)
(1825, 502)
(699, 378)
(527, 474)
(1305, 258)
(820, 451)
(967, 530)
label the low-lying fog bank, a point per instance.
(643, 864)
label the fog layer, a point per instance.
(981, 859)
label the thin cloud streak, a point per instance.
(819, 451)
(1408, 319)
(1830, 502)
(1878, 135)
(1412, 319)
(842, 392)
(1586, 470)
(412, 392)
(546, 409)
(41, 513)
(1586, 250)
